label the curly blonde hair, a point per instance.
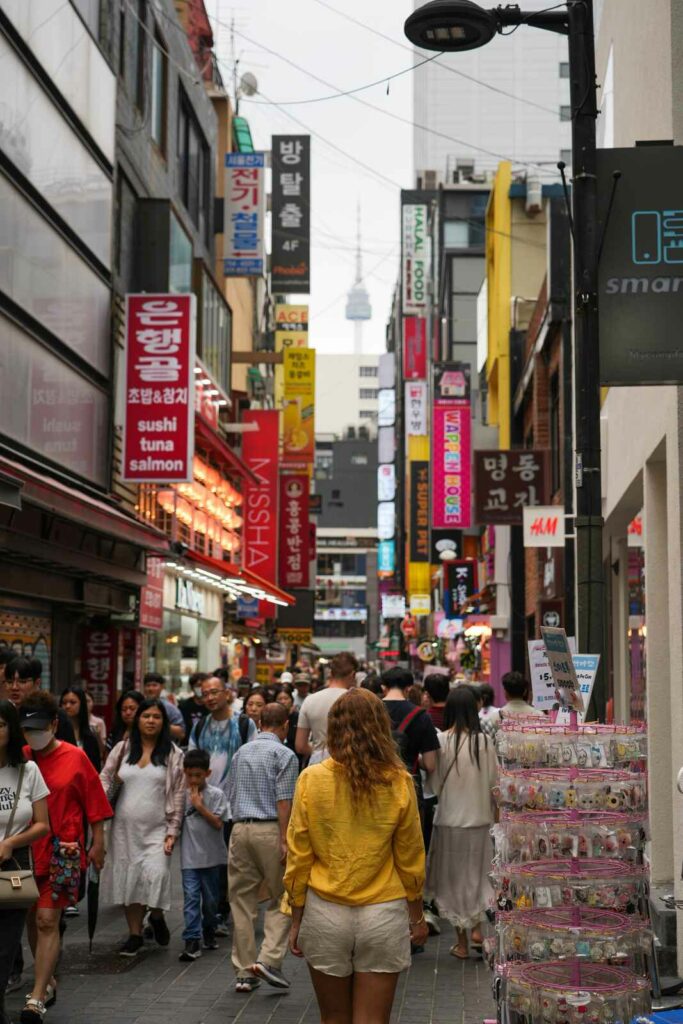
(359, 739)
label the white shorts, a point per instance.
(341, 940)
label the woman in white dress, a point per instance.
(144, 775)
(460, 853)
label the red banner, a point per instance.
(158, 429)
(259, 532)
(414, 347)
(152, 596)
(99, 666)
(294, 531)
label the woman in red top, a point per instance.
(76, 796)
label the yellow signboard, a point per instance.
(299, 373)
(295, 636)
(291, 331)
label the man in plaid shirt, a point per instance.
(260, 791)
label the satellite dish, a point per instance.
(248, 84)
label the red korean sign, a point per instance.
(414, 347)
(152, 596)
(99, 666)
(158, 429)
(259, 532)
(294, 531)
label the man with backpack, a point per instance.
(220, 734)
(412, 728)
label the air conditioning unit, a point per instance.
(431, 180)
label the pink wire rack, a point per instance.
(561, 976)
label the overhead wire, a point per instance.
(381, 110)
(438, 63)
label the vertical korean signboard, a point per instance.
(291, 331)
(419, 512)
(99, 666)
(158, 425)
(414, 347)
(259, 532)
(451, 447)
(151, 614)
(244, 215)
(294, 533)
(291, 214)
(298, 443)
(414, 259)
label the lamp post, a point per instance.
(454, 25)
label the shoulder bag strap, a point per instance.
(8, 830)
(408, 719)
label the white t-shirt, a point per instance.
(314, 712)
(32, 788)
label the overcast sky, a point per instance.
(347, 56)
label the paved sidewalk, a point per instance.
(156, 988)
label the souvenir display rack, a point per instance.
(573, 942)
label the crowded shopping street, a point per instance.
(341, 518)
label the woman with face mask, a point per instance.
(23, 819)
(124, 715)
(76, 798)
(149, 813)
(74, 703)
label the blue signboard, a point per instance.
(386, 557)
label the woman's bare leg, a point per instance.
(373, 997)
(334, 997)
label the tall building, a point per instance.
(346, 395)
(509, 99)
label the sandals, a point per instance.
(457, 952)
(33, 1012)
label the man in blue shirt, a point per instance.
(261, 787)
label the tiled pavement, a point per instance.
(156, 988)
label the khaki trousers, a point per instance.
(254, 859)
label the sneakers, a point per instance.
(191, 952)
(132, 945)
(71, 912)
(210, 939)
(271, 975)
(14, 982)
(221, 929)
(246, 984)
(160, 930)
(432, 921)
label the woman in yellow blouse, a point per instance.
(355, 867)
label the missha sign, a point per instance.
(641, 265)
(414, 258)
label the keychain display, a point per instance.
(527, 744)
(583, 789)
(596, 936)
(564, 993)
(523, 837)
(611, 885)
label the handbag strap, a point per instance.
(8, 829)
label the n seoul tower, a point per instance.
(358, 306)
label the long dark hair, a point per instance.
(15, 737)
(164, 744)
(118, 729)
(83, 716)
(461, 715)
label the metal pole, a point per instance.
(589, 574)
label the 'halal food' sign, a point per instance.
(415, 258)
(641, 265)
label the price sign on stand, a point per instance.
(542, 682)
(561, 666)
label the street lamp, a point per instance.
(454, 25)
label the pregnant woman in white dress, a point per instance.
(144, 776)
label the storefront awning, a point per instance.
(82, 508)
(234, 580)
(218, 447)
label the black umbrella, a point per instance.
(93, 901)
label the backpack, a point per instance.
(242, 724)
(400, 738)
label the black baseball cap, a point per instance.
(35, 718)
